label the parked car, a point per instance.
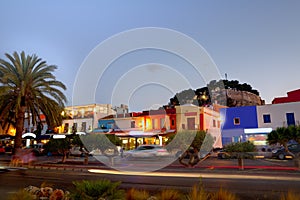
(38, 149)
(2, 150)
(201, 153)
(77, 151)
(281, 154)
(95, 152)
(223, 154)
(147, 151)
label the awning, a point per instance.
(28, 136)
(142, 134)
(167, 132)
(257, 130)
(44, 137)
(6, 137)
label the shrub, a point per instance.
(223, 195)
(21, 195)
(198, 193)
(169, 194)
(97, 189)
(134, 194)
(290, 196)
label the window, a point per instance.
(66, 129)
(267, 118)
(83, 126)
(74, 128)
(290, 118)
(191, 123)
(173, 122)
(236, 121)
(132, 124)
(162, 122)
(153, 123)
(214, 123)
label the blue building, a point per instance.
(236, 122)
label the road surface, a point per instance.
(246, 184)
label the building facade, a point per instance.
(292, 96)
(278, 115)
(155, 126)
(253, 123)
(191, 117)
(147, 127)
(235, 121)
(84, 118)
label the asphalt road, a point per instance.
(251, 183)
(247, 185)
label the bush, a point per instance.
(240, 149)
(21, 195)
(134, 194)
(169, 194)
(198, 193)
(90, 190)
(290, 196)
(223, 195)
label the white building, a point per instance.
(278, 115)
(84, 118)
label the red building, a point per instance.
(292, 96)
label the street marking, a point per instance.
(196, 175)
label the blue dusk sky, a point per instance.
(252, 41)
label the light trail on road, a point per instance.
(197, 175)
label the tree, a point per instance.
(283, 135)
(76, 141)
(27, 85)
(107, 144)
(192, 145)
(60, 146)
(240, 150)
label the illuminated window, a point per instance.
(66, 129)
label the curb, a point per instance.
(175, 168)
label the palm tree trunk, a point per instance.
(19, 128)
(86, 159)
(297, 160)
(241, 163)
(64, 157)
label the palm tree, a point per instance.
(281, 135)
(27, 85)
